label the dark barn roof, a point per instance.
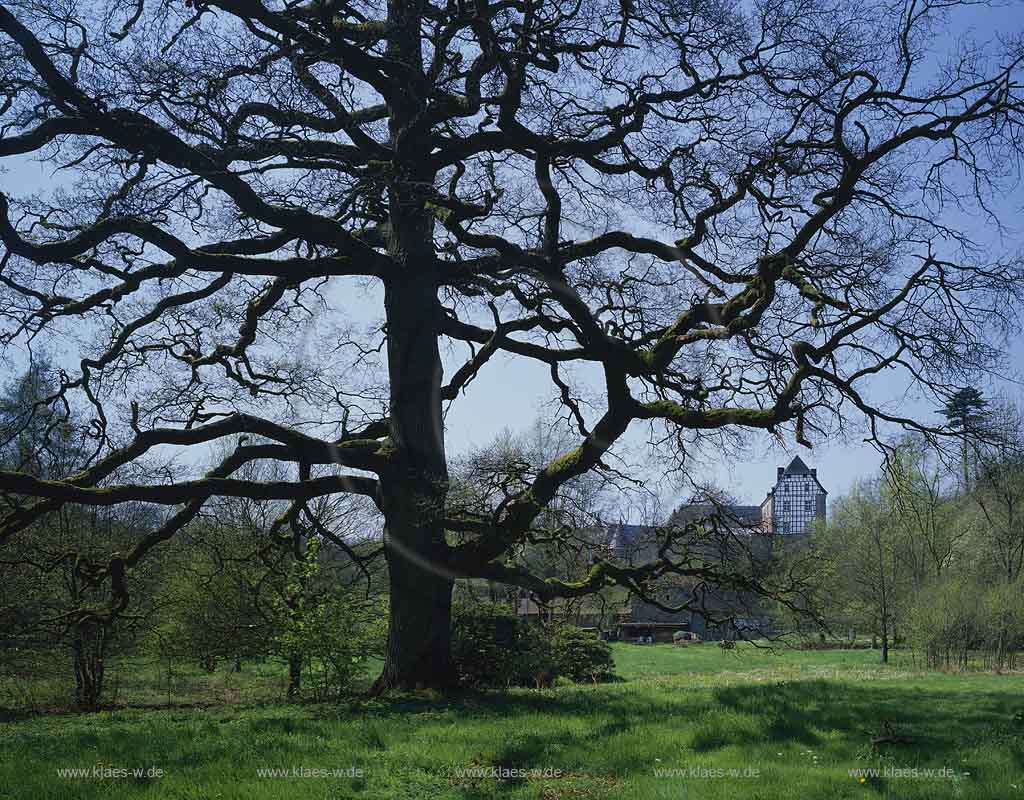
(739, 515)
(624, 539)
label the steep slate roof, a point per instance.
(797, 467)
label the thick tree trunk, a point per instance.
(419, 633)
(414, 491)
(415, 487)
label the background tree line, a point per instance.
(245, 580)
(299, 589)
(930, 552)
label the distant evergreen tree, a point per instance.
(965, 410)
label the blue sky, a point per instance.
(511, 391)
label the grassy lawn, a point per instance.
(792, 724)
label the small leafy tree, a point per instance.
(999, 496)
(210, 611)
(331, 638)
(861, 546)
(933, 528)
(52, 608)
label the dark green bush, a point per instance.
(493, 648)
(580, 655)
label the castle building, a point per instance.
(750, 534)
(796, 500)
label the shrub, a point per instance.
(580, 655)
(945, 623)
(493, 648)
(727, 644)
(1002, 626)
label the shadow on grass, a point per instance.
(607, 738)
(932, 726)
(846, 717)
(15, 714)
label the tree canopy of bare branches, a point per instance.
(737, 215)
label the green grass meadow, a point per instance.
(748, 723)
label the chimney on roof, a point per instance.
(778, 473)
(814, 473)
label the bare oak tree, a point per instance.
(737, 216)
